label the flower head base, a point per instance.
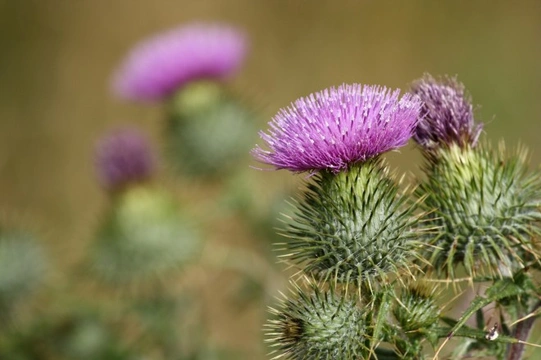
(208, 130)
(337, 127)
(447, 114)
(123, 157)
(353, 227)
(162, 64)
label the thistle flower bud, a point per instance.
(22, 264)
(446, 116)
(318, 325)
(352, 226)
(485, 207)
(143, 236)
(123, 157)
(208, 130)
(417, 308)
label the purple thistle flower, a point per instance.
(336, 127)
(163, 63)
(447, 114)
(123, 157)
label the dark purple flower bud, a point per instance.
(164, 63)
(447, 114)
(337, 127)
(123, 157)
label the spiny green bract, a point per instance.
(352, 226)
(318, 324)
(484, 205)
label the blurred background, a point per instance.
(55, 101)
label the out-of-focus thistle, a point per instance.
(159, 66)
(482, 204)
(351, 223)
(22, 268)
(208, 128)
(123, 158)
(143, 234)
(318, 324)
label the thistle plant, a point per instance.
(370, 254)
(484, 202)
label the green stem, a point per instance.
(522, 332)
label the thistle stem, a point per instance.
(522, 332)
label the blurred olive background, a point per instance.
(57, 57)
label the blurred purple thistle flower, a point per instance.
(337, 127)
(123, 157)
(163, 63)
(447, 114)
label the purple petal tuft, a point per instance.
(337, 127)
(447, 114)
(162, 64)
(123, 157)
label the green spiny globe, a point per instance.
(417, 309)
(484, 207)
(319, 324)
(208, 130)
(143, 236)
(352, 226)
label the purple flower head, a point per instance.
(447, 114)
(123, 157)
(336, 127)
(162, 64)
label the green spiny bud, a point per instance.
(318, 325)
(142, 236)
(484, 206)
(208, 130)
(352, 226)
(417, 309)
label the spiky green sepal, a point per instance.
(484, 205)
(353, 226)
(318, 324)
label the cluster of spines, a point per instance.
(486, 208)
(318, 324)
(353, 227)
